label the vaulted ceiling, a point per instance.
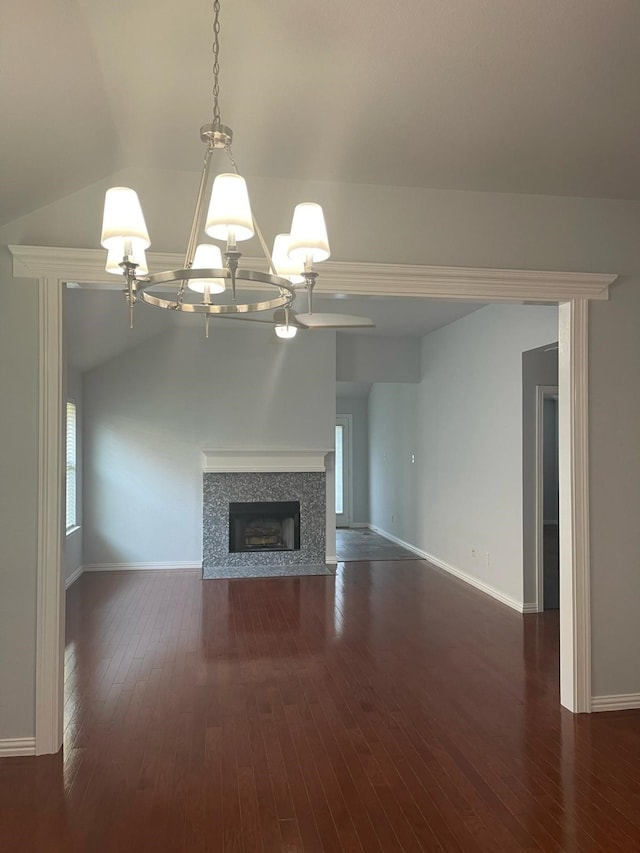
(499, 95)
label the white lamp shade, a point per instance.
(229, 209)
(115, 254)
(285, 266)
(308, 239)
(123, 219)
(207, 256)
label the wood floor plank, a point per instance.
(389, 709)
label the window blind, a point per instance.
(71, 465)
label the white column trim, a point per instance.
(575, 586)
(50, 580)
(55, 266)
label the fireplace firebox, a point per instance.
(264, 526)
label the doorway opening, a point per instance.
(52, 267)
(547, 499)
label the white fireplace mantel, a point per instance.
(258, 461)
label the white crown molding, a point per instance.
(15, 746)
(86, 267)
(260, 461)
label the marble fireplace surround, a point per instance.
(263, 475)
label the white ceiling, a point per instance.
(500, 95)
(98, 323)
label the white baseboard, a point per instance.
(619, 702)
(12, 746)
(358, 524)
(458, 573)
(73, 577)
(331, 561)
(530, 607)
(143, 567)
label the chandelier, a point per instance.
(208, 285)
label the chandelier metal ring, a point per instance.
(286, 297)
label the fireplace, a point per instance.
(272, 486)
(264, 526)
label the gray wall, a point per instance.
(73, 557)
(393, 480)
(439, 227)
(370, 358)
(150, 412)
(538, 368)
(463, 422)
(357, 407)
(18, 501)
(614, 490)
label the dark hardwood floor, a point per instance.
(389, 708)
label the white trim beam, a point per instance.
(86, 266)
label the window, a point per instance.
(339, 469)
(71, 465)
(343, 470)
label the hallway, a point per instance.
(360, 543)
(387, 708)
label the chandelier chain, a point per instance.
(229, 153)
(216, 62)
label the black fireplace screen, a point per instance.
(264, 526)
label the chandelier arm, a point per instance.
(197, 225)
(265, 248)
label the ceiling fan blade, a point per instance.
(334, 321)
